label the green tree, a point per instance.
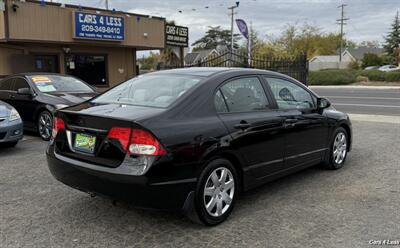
(150, 62)
(392, 40)
(371, 59)
(216, 36)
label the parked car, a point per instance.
(369, 68)
(194, 138)
(37, 96)
(11, 127)
(388, 68)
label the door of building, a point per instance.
(90, 68)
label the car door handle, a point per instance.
(288, 123)
(242, 125)
(12, 96)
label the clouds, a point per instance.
(369, 19)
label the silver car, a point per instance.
(11, 127)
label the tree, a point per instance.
(216, 36)
(393, 38)
(371, 59)
(369, 43)
(150, 62)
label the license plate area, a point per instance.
(85, 143)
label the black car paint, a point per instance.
(30, 106)
(193, 133)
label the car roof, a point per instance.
(211, 71)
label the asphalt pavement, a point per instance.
(350, 207)
(363, 99)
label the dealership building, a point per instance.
(96, 45)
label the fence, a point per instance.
(296, 67)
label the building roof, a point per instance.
(325, 58)
(190, 58)
(358, 53)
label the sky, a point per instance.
(369, 19)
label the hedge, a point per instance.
(343, 77)
(374, 75)
(332, 77)
(393, 76)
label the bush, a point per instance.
(393, 76)
(332, 77)
(374, 75)
(361, 79)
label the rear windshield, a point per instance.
(56, 83)
(150, 90)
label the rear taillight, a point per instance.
(144, 143)
(137, 141)
(58, 125)
(122, 134)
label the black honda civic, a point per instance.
(37, 95)
(193, 139)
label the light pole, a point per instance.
(232, 8)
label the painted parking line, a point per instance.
(376, 118)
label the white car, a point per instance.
(388, 68)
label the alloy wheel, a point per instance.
(219, 191)
(340, 148)
(45, 125)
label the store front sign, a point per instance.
(98, 27)
(176, 36)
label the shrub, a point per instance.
(361, 79)
(332, 77)
(374, 75)
(393, 76)
(354, 65)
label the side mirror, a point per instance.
(24, 91)
(323, 103)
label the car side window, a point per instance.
(243, 95)
(220, 103)
(288, 95)
(6, 84)
(20, 83)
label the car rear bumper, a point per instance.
(141, 191)
(10, 132)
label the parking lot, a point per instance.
(313, 208)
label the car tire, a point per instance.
(338, 149)
(217, 188)
(9, 144)
(45, 125)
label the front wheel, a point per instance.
(338, 149)
(45, 125)
(216, 192)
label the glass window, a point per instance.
(150, 90)
(288, 95)
(244, 94)
(55, 83)
(6, 84)
(90, 68)
(20, 83)
(220, 103)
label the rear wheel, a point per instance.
(45, 125)
(216, 192)
(338, 149)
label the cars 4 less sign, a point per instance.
(98, 27)
(176, 35)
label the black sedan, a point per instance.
(192, 139)
(37, 96)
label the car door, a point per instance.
(306, 129)
(256, 130)
(6, 88)
(25, 104)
